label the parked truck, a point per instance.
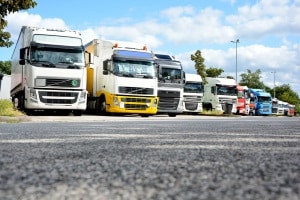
(170, 84)
(48, 71)
(193, 93)
(243, 100)
(121, 78)
(220, 94)
(261, 101)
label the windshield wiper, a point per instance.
(147, 76)
(46, 64)
(73, 66)
(128, 75)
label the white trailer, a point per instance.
(193, 93)
(5, 86)
(48, 71)
(220, 94)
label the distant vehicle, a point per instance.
(121, 78)
(282, 108)
(261, 101)
(220, 94)
(243, 100)
(193, 93)
(170, 85)
(48, 71)
(277, 107)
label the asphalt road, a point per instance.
(187, 157)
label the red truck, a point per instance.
(243, 100)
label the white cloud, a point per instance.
(18, 19)
(277, 17)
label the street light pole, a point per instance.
(236, 42)
(274, 82)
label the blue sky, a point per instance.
(268, 31)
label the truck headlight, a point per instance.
(82, 96)
(33, 95)
(154, 103)
(115, 100)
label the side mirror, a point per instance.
(22, 62)
(22, 53)
(22, 56)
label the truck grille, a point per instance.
(191, 106)
(135, 103)
(136, 90)
(58, 97)
(167, 93)
(266, 109)
(166, 103)
(168, 100)
(63, 82)
(191, 102)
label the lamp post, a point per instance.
(274, 82)
(236, 42)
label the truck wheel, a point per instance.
(102, 106)
(77, 112)
(172, 114)
(15, 102)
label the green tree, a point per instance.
(5, 67)
(252, 79)
(213, 72)
(199, 64)
(230, 77)
(285, 93)
(11, 6)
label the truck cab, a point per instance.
(262, 102)
(193, 93)
(220, 94)
(170, 76)
(243, 100)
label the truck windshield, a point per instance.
(133, 68)
(226, 90)
(57, 58)
(262, 99)
(193, 87)
(170, 75)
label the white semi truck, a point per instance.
(121, 78)
(48, 71)
(193, 93)
(170, 84)
(220, 94)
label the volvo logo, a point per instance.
(74, 83)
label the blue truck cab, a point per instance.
(261, 101)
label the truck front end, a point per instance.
(193, 94)
(130, 83)
(54, 72)
(170, 85)
(262, 101)
(227, 95)
(243, 100)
